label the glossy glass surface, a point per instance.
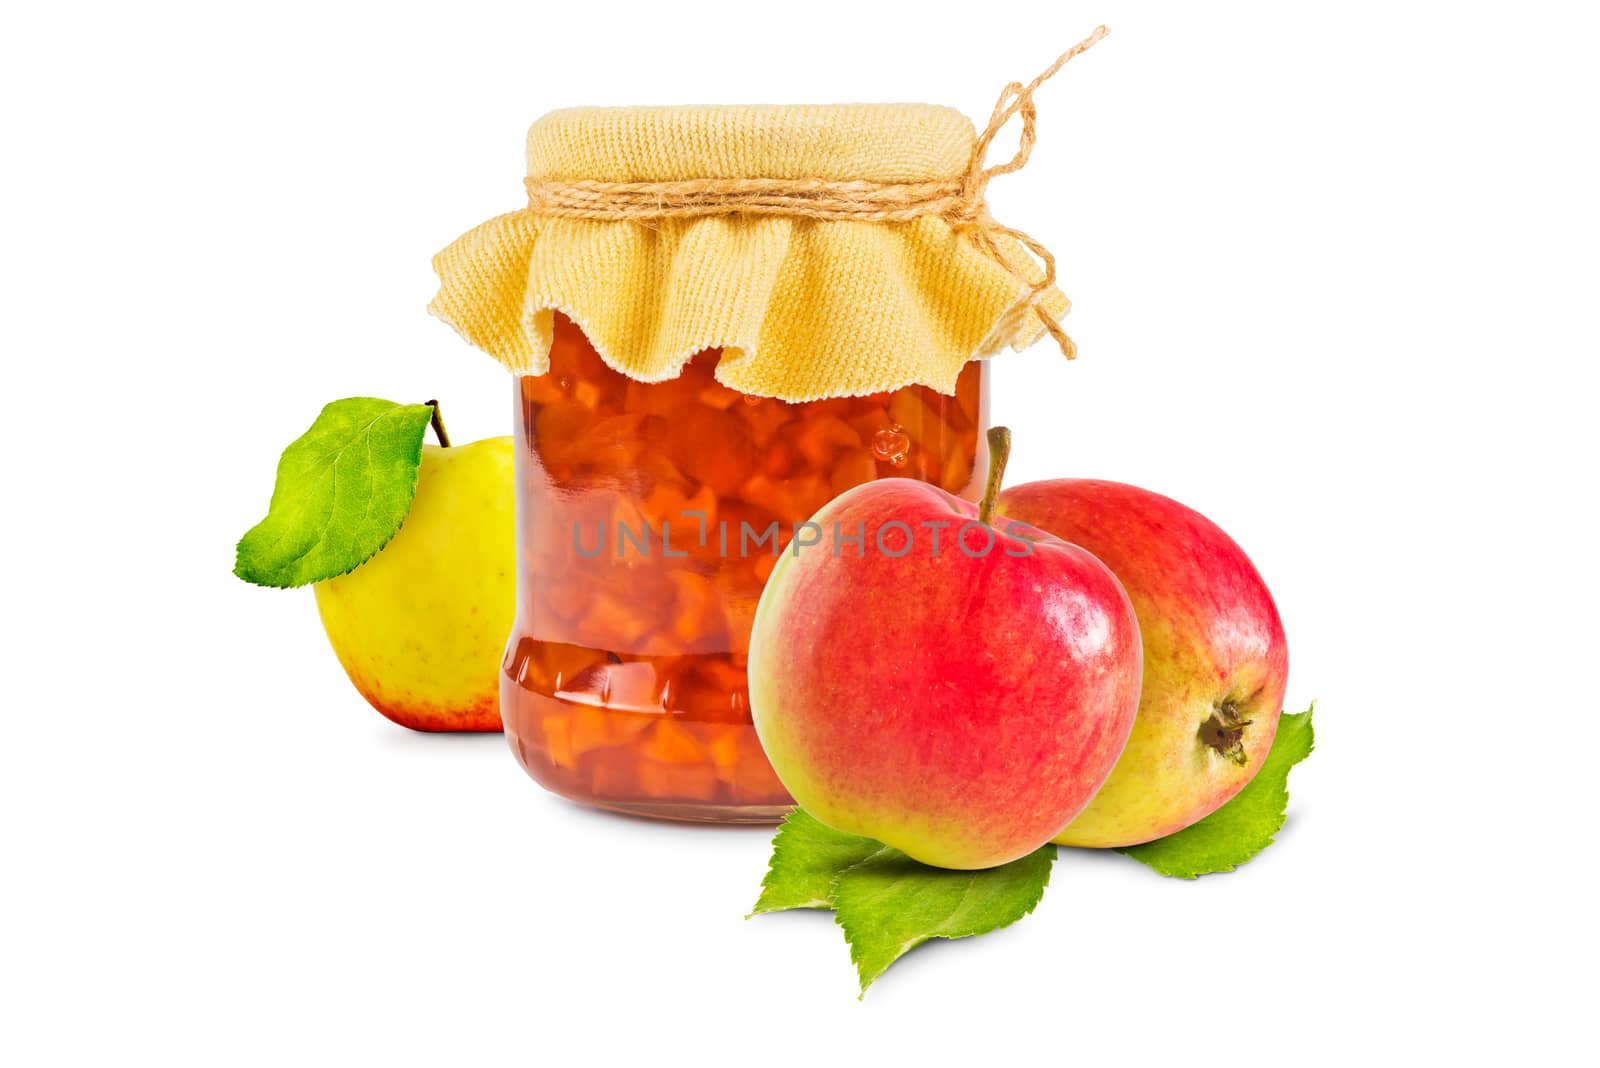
(649, 517)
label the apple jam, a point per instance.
(649, 516)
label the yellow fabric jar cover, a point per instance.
(802, 307)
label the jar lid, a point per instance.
(828, 250)
(871, 142)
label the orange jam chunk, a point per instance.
(649, 517)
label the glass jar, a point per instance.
(649, 516)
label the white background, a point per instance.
(1335, 276)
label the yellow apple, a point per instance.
(421, 627)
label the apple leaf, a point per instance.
(886, 903)
(343, 489)
(806, 856)
(889, 904)
(1245, 825)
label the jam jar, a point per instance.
(649, 515)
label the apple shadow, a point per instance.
(397, 737)
(1079, 856)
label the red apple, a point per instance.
(952, 689)
(1215, 659)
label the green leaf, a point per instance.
(889, 904)
(806, 856)
(1245, 825)
(343, 489)
(886, 903)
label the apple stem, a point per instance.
(438, 424)
(999, 452)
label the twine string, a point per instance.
(961, 202)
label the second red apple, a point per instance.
(1215, 659)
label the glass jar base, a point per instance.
(659, 765)
(678, 810)
(692, 812)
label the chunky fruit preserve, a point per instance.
(649, 517)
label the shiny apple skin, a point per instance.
(421, 627)
(1212, 634)
(961, 708)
